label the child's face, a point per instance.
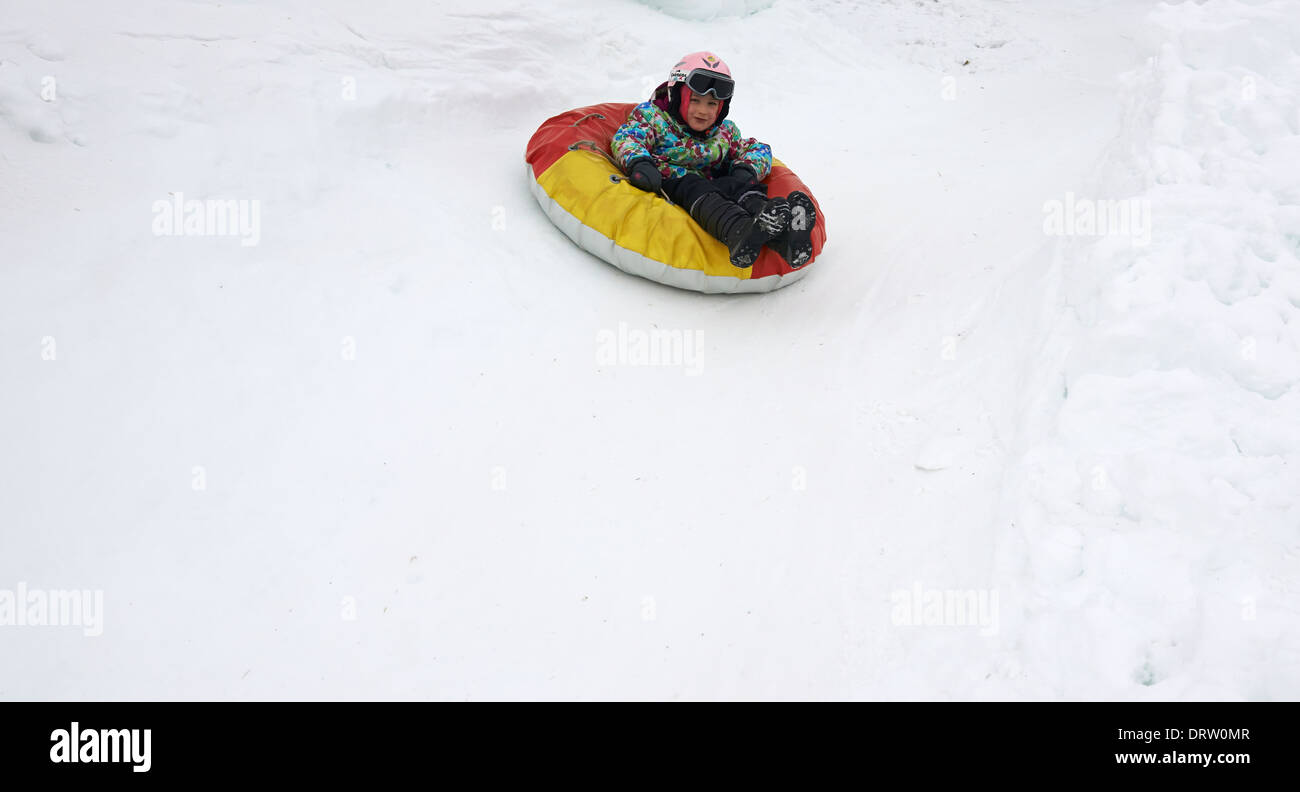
(702, 111)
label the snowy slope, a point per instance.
(381, 451)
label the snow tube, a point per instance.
(581, 189)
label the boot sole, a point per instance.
(803, 219)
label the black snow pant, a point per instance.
(686, 190)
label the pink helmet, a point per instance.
(703, 73)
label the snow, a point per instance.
(718, 9)
(405, 444)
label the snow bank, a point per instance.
(715, 9)
(1159, 521)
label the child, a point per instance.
(681, 143)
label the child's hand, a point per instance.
(646, 176)
(745, 173)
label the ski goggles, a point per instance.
(703, 81)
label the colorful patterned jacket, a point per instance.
(650, 132)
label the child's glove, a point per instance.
(645, 176)
(746, 174)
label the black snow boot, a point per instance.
(795, 244)
(754, 201)
(729, 223)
